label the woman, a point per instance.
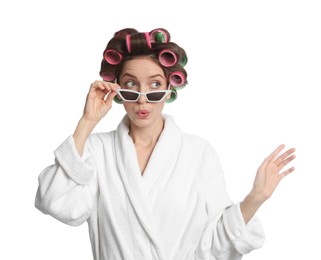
(148, 190)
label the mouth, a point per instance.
(142, 113)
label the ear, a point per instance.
(172, 96)
(168, 96)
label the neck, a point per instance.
(146, 136)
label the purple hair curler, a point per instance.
(167, 58)
(159, 36)
(113, 57)
(177, 79)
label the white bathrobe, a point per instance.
(177, 210)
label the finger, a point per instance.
(109, 85)
(110, 97)
(103, 86)
(287, 172)
(273, 155)
(283, 156)
(114, 86)
(287, 161)
(278, 150)
(97, 85)
(98, 90)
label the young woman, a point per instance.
(148, 190)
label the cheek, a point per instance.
(128, 106)
(159, 107)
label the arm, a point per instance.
(225, 236)
(233, 230)
(67, 189)
(98, 103)
(267, 179)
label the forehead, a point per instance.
(143, 66)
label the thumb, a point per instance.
(110, 97)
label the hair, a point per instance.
(128, 43)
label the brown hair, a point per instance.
(128, 43)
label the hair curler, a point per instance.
(167, 58)
(113, 57)
(177, 79)
(108, 76)
(148, 40)
(159, 36)
(173, 96)
(182, 60)
(128, 43)
(118, 100)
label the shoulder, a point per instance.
(193, 143)
(197, 142)
(199, 149)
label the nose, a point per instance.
(142, 99)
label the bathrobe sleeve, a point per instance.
(67, 188)
(226, 236)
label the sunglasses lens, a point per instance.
(155, 96)
(129, 95)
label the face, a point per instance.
(143, 74)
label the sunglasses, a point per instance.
(128, 95)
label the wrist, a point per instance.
(249, 206)
(82, 131)
(257, 197)
(87, 121)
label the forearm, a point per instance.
(83, 130)
(249, 206)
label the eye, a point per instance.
(155, 84)
(130, 84)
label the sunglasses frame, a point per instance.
(166, 92)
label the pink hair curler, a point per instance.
(108, 76)
(159, 36)
(113, 57)
(148, 40)
(167, 58)
(128, 43)
(177, 79)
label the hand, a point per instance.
(99, 100)
(270, 173)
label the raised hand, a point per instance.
(98, 103)
(99, 100)
(267, 178)
(271, 172)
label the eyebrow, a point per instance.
(150, 77)
(129, 75)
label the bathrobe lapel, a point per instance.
(164, 156)
(158, 169)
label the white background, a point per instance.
(254, 83)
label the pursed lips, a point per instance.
(142, 113)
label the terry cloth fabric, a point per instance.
(177, 210)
